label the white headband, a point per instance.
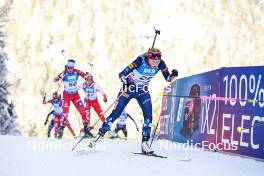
(70, 64)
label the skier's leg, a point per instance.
(80, 107)
(65, 107)
(114, 134)
(124, 129)
(119, 107)
(117, 129)
(98, 110)
(87, 110)
(84, 113)
(144, 101)
(56, 125)
(51, 125)
(63, 125)
(70, 128)
(87, 114)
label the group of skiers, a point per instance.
(135, 79)
(70, 93)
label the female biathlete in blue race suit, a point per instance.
(135, 78)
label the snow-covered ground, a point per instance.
(23, 156)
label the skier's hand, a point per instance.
(123, 79)
(105, 98)
(61, 76)
(44, 98)
(174, 73)
(128, 83)
(87, 75)
(56, 79)
(45, 123)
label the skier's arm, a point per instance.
(49, 114)
(47, 118)
(99, 89)
(59, 77)
(165, 71)
(45, 101)
(128, 115)
(135, 64)
(81, 73)
(44, 98)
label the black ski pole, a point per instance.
(78, 142)
(99, 119)
(63, 53)
(157, 32)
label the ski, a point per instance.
(85, 150)
(121, 138)
(150, 154)
(180, 159)
(161, 156)
(86, 137)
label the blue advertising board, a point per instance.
(229, 98)
(246, 84)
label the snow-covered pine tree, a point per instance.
(7, 112)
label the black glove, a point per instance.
(45, 123)
(44, 98)
(126, 84)
(105, 98)
(174, 73)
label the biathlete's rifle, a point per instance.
(157, 32)
(91, 67)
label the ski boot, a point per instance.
(145, 146)
(87, 131)
(48, 134)
(98, 138)
(113, 134)
(73, 135)
(60, 133)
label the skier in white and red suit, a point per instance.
(70, 94)
(90, 89)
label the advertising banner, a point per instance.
(222, 109)
(246, 86)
